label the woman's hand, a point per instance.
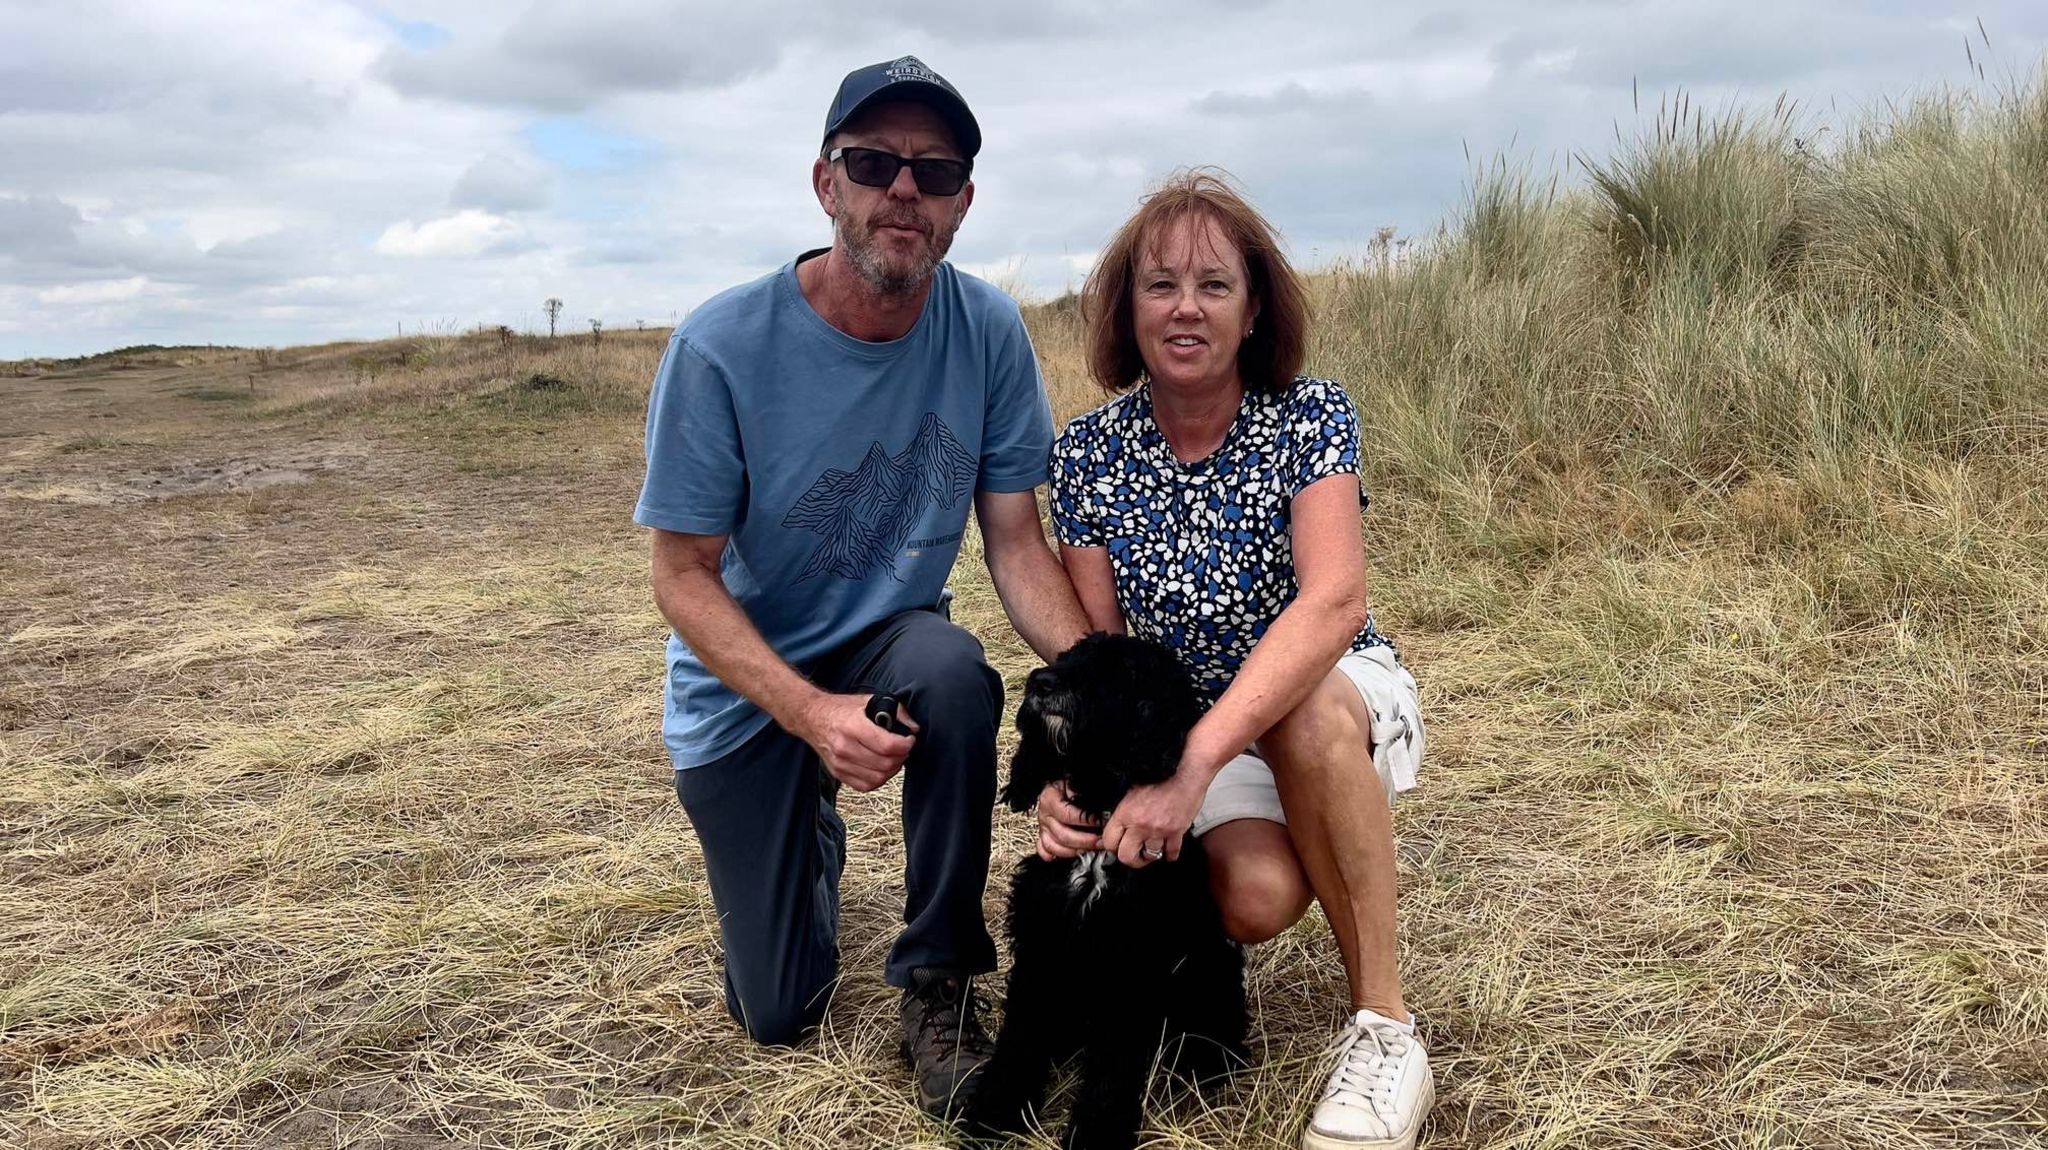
(1063, 828)
(1151, 821)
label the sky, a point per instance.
(299, 171)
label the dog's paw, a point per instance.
(990, 1117)
(1087, 1135)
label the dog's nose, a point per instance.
(1040, 682)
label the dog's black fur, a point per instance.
(1129, 968)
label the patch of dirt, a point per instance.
(227, 475)
(106, 486)
(150, 1032)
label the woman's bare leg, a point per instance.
(1258, 883)
(1343, 833)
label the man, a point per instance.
(813, 441)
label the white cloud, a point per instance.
(196, 171)
(469, 232)
(500, 183)
(238, 226)
(563, 58)
(97, 292)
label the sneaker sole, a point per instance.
(1311, 1140)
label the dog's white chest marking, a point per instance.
(1089, 876)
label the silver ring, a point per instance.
(1149, 851)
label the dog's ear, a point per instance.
(1153, 753)
(1028, 777)
(1161, 717)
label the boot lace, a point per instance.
(947, 1003)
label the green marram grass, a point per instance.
(1707, 507)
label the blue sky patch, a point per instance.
(417, 34)
(575, 143)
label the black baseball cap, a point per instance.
(904, 78)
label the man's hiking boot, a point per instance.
(943, 1039)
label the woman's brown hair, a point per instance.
(1271, 357)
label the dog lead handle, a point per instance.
(882, 711)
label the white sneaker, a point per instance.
(1379, 1091)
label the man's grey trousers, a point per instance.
(774, 845)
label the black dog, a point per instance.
(1129, 967)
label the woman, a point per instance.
(1214, 507)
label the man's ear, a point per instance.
(1028, 777)
(822, 187)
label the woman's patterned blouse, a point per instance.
(1201, 551)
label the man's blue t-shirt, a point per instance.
(840, 470)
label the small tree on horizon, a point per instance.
(554, 309)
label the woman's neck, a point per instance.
(1195, 421)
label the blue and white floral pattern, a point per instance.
(1201, 551)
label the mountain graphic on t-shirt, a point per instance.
(863, 516)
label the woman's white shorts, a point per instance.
(1244, 788)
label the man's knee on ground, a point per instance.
(783, 1023)
(1259, 896)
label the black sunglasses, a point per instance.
(877, 169)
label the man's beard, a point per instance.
(873, 264)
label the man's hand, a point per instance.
(1153, 818)
(855, 750)
(1063, 829)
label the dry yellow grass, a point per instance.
(335, 813)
